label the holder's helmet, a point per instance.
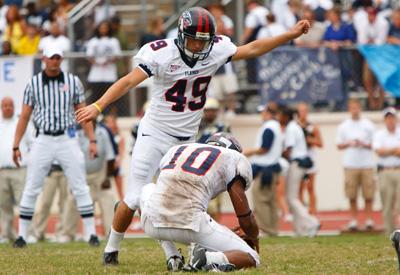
(224, 140)
(196, 23)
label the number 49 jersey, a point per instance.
(179, 92)
(191, 175)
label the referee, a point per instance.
(53, 96)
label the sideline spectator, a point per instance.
(256, 18)
(61, 13)
(6, 48)
(373, 32)
(271, 29)
(394, 29)
(314, 140)
(354, 136)
(312, 39)
(15, 28)
(254, 21)
(3, 20)
(319, 7)
(285, 12)
(29, 43)
(103, 12)
(281, 189)
(118, 142)
(33, 16)
(224, 85)
(12, 178)
(123, 63)
(295, 150)
(119, 33)
(102, 50)
(56, 39)
(265, 165)
(338, 34)
(155, 32)
(387, 145)
(210, 125)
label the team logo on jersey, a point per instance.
(186, 20)
(173, 67)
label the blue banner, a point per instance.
(384, 61)
(290, 75)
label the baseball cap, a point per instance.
(389, 111)
(52, 51)
(211, 103)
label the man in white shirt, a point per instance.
(56, 39)
(354, 136)
(372, 28)
(12, 179)
(295, 150)
(256, 18)
(254, 21)
(265, 165)
(386, 144)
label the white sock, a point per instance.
(23, 226)
(169, 249)
(89, 226)
(216, 258)
(114, 241)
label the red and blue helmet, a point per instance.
(196, 23)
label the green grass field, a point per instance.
(348, 254)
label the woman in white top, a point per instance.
(102, 49)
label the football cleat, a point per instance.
(94, 240)
(19, 243)
(395, 238)
(110, 258)
(198, 258)
(175, 263)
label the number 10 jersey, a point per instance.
(191, 175)
(179, 92)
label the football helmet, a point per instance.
(196, 23)
(224, 140)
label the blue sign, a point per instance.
(290, 75)
(384, 61)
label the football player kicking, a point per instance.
(182, 69)
(175, 209)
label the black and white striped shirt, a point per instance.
(53, 100)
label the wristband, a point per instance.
(244, 215)
(15, 149)
(97, 106)
(93, 141)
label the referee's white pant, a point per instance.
(67, 152)
(302, 220)
(211, 235)
(150, 147)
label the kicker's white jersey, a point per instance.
(179, 91)
(191, 175)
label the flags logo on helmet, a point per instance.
(186, 20)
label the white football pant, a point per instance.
(151, 145)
